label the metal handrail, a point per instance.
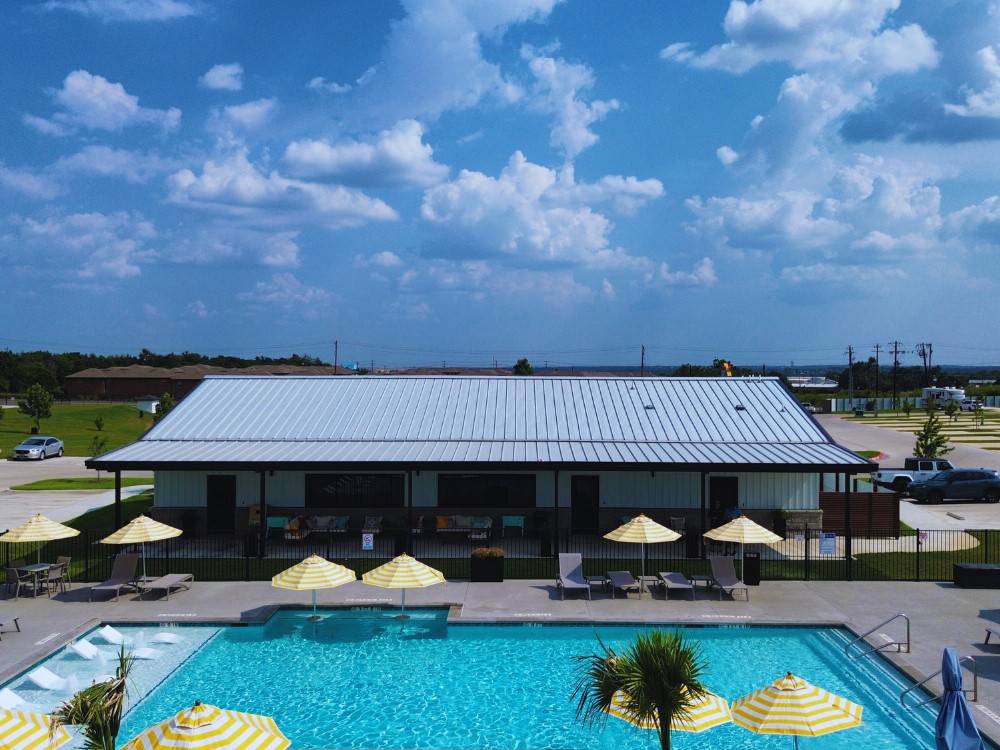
(874, 649)
(964, 660)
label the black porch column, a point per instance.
(409, 511)
(704, 518)
(262, 498)
(118, 499)
(848, 552)
(555, 530)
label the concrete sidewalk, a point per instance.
(59, 505)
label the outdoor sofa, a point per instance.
(300, 527)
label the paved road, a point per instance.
(899, 445)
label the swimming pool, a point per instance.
(361, 679)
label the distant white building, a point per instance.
(943, 395)
(148, 405)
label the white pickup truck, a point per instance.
(914, 470)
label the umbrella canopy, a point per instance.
(792, 706)
(142, 529)
(403, 572)
(209, 728)
(27, 730)
(955, 729)
(38, 528)
(743, 531)
(311, 574)
(708, 711)
(642, 530)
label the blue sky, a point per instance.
(443, 180)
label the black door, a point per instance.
(221, 504)
(723, 496)
(585, 504)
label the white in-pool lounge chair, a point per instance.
(146, 653)
(46, 679)
(571, 576)
(675, 582)
(109, 635)
(11, 700)
(165, 636)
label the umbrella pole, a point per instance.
(143, 546)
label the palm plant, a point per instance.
(658, 676)
(98, 709)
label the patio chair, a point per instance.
(168, 582)
(571, 576)
(123, 575)
(16, 580)
(55, 577)
(512, 522)
(622, 580)
(678, 524)
(67, 575)
(7, 620)
(675, 582)
(724, 576)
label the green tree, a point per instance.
(978, 416)
(99, 423)
(97, 445)
(97, 710)
(931, 441)
(659, 675)
(523, 367)
(907, 407)
(951, 409)
(37, 404)
(167, 403)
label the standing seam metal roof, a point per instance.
(488, 419)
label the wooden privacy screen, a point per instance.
(872, 513)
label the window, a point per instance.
(486, 490)
(354, 491)
(926, 466)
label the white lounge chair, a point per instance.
(165, 636)
(46, 679)
(11, 700)
(109, 635)
(84, 649)
(146, 653)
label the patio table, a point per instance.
(35, 569)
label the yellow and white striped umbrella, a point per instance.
(403, 572)
(142, 529)
(706, 712)
(313, 573)
(204, 727)
(38, 528)
(792, 706)
(743, 531)
(27, 730)
(642, 530)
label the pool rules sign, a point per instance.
(367, 542)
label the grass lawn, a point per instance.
(82, 483)
(103, 519)
(74, 425)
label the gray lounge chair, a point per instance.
(6, 621)
(724, 576)
(123, 575)
(675, 582)
(571, 576)
(168, 582)
(623, 580)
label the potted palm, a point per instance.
(657, 679)
(97, 709)
(486, 565)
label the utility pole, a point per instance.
(896, 351)
(921, 351)
(930, 359)
(336, 354)
(878, 349)
(850, 375)
(642, 362)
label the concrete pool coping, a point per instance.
(942, 615)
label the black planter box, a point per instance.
(486, 569)
(976, 576)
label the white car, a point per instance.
(38, 448)
(969, 404)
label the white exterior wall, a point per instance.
(619, 489)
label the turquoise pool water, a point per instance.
(363, 680)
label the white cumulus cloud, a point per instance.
(222, 77)
(986, 101)
(726, 155)
(127, 10)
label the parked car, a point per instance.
(914, 470)
(38, 448)
(809, 408)
(958, 484)
(969, 404)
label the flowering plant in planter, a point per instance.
(486, 565)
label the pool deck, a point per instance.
(941, 614)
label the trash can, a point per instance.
(751, 569)
(859, 412)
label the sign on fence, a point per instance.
(828, 543)
(367, 542)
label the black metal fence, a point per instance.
(915, 556)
